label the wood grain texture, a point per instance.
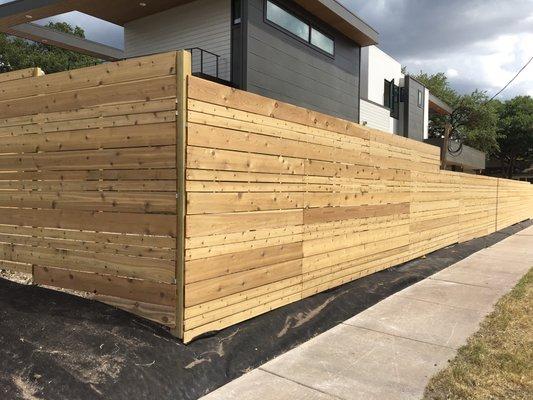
(88, 181)
(284, 203)
(199, 206)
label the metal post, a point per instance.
(445, 145)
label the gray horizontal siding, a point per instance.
(281, 67)
(414, 114)
(203, 23)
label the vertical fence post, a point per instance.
(497, 204)
(38, 72)
(183, 71)
(445, 145)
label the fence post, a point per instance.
(497, 204)
(183, 71)
(445, 145)
(38, 72)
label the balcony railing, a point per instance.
(209, 65)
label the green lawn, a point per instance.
(497, 362)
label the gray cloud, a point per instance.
(411, 27)
(484, 41)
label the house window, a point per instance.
(387, 94)
(420, 99)
(391, 98)
(322, 41)
(296, 26)
(287, 21)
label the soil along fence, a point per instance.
(269, 203)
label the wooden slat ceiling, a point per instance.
(124, 11)
(118, 12)
(36, 13)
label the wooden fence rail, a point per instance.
(199, 206)
(88, 181)
(284, 203)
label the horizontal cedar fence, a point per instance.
(88, 181)
(284, 203)
(199, 206)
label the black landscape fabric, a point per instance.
(58, 346)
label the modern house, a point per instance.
(398, 103)
(312, 53)
(305, 52)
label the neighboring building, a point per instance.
(398, 103)
(305, 52)
(381, 77)
(390, 100)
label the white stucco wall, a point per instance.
(376, 67)
(202, 23)
(426, 113)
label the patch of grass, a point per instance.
(496, 362)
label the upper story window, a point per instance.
(287, 21)
(299, 28)
(391, 98)
(420, 99)
(322, 41)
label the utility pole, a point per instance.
(445, 145)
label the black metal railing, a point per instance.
(206, 64)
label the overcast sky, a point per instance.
(477, 43)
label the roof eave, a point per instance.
(438, 105)
(343, 20)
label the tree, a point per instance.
(516, 134)
(473, 120)
(439, 86)
(16, 53)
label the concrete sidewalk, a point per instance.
(391, 350)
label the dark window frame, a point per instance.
(387, 93)
(391, 98)
(420, 99)
(236, 12)
(296, 37)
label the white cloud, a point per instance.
(479, 44)
(452, 73)
(487, 65)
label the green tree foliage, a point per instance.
(16, 53)
(439, 86)
(474, 119)
(516, 134)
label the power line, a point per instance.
(511, 81)
(460, 148)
